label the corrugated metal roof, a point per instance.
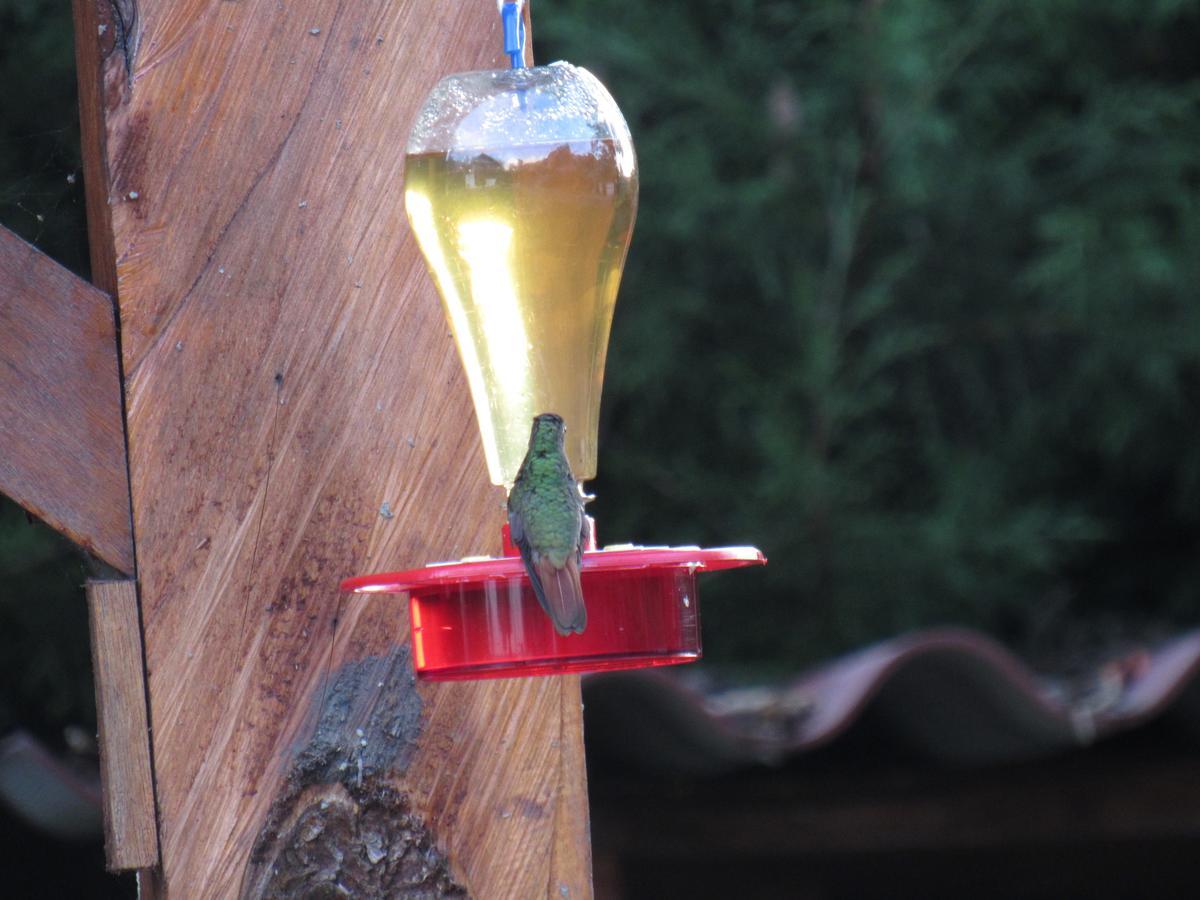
(948, 695)
(48, 793)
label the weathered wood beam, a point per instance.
(62, 441)
(288, 369)
(130, 830)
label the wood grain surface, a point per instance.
(130, 832)
(288, 370)
(62, 442)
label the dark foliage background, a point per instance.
(41, 190)
(912, 305)
(45, 666)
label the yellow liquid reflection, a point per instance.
(526, 244)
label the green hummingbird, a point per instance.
(547, 524)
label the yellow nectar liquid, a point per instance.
(527, 244)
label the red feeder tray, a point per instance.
(479, 618)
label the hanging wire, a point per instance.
(513, 25)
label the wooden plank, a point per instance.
(130, 834)
(288, 370)
(62, 441)
(99, 68)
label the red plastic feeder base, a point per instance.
(479, 618)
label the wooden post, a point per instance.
(287, 371)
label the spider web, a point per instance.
(41, 185)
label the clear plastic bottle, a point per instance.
(521, 186)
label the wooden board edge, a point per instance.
(126, 773)
(96, 40)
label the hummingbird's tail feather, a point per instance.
(561, 594)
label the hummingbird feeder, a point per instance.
(521, 186)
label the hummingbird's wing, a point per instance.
(516, 533)
(516, 528)
(559, 591)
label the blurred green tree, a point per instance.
(912, 304)
(41, 190)
(45, 666)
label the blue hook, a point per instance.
(513, 24)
